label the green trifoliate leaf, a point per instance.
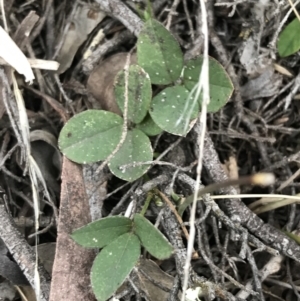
(152, 240)
(113, 265)
(102, 232)
(220, 85)
(289, 39)
(139, 93)
(149, 127)
(136, 148)
(172, 110)
(90, 136)
(159, 53)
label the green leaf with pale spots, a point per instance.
(289, 39)
(136, 148)
(172, 110)
(220, 85)
(149, 127)
(113, 265)
(159, 54)
(152, 240)
(90, 136)
(102, 232)
(139, 93)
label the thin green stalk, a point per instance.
(147, 202)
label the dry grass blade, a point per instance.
(34, 171)
(38, 64)
(12, 54)
(294, 9)
(125, 123)
(204, 85)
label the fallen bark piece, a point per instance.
(72, 264)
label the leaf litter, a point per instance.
(245, 31)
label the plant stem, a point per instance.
(262, 179)
(147, 202)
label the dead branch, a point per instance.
(23, 254)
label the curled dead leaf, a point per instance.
(153, 292)
(84, 22)
(101, 81)
(46, 154)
